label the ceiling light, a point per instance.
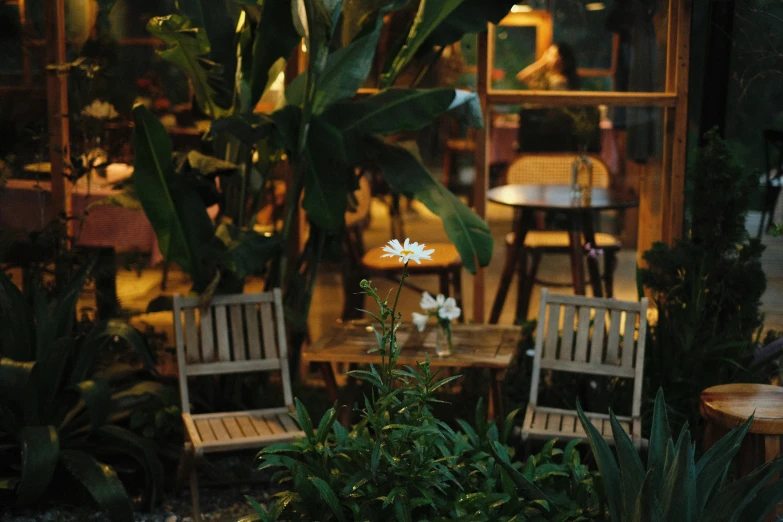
(595, 6)
(521, 8)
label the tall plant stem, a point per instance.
(393, 335)
(243, 190)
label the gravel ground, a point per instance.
(219, 503)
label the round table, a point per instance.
(581, 211)
(727, 406)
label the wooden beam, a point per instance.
(675, 211)
(481, 163)
(57, 101)
(572, 98)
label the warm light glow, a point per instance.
(521, 8)
(595, 6)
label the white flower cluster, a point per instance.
(442, 307)
(100, 110)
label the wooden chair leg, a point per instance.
(531, 281)
(194, 494)
(610, 265)
(505, 282)
(186, 462)
(522, 282)
(443, 282)
(456, 282)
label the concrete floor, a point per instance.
(137, 290)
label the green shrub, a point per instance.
(674, 487)
(401, 462)
(707, 288)
(59, 416)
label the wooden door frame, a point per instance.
(662, 202)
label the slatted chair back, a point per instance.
(234, 334)
(599, 336)
(552, 168)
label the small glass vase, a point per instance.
(443, 342)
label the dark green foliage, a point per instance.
(673, 486)
(400, 462)
(60, 413)
(707, 287)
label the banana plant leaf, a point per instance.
(276, 19)
(406, 175)
(178, 216)
(189, 47)
(471, 16)
(396, 110)
(430, 15)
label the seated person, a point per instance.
(554, 71)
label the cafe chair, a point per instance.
(237, 333)
(554, 169)
(599, 337)
(771, 179)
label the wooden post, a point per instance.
(481, 159)
(57, 102)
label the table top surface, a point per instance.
(477, 346)
(558, 197)
(731, 404)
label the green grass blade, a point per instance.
(101, 483)
(40, 452)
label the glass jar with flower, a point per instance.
(444, 310)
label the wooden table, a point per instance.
(475, 346)
(580, 211)
(727, 406)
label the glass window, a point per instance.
(587, 45)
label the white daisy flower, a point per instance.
(100, 110)
(407, 251)
(420, 320)
(431, 303)
(449, 310)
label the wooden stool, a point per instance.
(446, 264)
(727, 406)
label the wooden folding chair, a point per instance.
(234, 334)
(603, 341)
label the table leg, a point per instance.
(521, 226)
(771, 451)
(576, 255)
(495, 406)
(331, 383)
(592, 261)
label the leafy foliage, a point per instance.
(707, 288)
(326, 133)
(673, 486)
(400, 462)
(59, 415)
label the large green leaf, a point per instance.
(679, 488)
(188, 49)
(660, 435)
(101, 483)
(275, 38)
(610, 473)
(180, 220)
(248, 128)
(471, 16)
(431, 13)
(251, 252)
(733, 499)
(326, 183)
(40, 451)
(763, 503)
(345, 71)
(94, 406)
(17, 332)
(99, 337)
(51, 369)
(713, 466)
(125, 401)
(406, 175)
(631, 468)
(219, 21)
(647, 508)
(396, 110)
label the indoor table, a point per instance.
(580, 211)
(475, 346)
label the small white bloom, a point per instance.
(431, 303)
(449, 310)
(420, 320)
(407, 251)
